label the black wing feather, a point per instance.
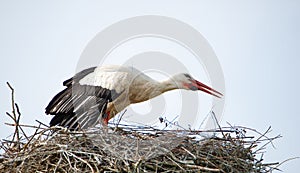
(79, 106)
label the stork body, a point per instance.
(99, 93)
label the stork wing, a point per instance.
(83, 103)
(79, 106)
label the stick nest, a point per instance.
(132, 149)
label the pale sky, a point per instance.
(256, 42)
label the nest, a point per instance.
(132, 149)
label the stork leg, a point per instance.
(105, 118)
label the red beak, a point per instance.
(207, 89)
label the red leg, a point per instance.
(106, 119)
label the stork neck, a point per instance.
(151, 90)
(168, 85)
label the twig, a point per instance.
(189, 152)
(29, 141)
(215, 118)
(14, 117)
(203, 168)
(120, 118)
(287, 160)
(42, 123)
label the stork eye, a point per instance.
(193, 88)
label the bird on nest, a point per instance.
(97, 94)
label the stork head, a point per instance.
(185, 81)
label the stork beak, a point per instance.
(207, 89)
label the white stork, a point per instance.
(99, 93)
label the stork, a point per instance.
(97, 94)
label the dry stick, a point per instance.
(264, 134)
(203, 168)
(151, 129)
(42, 123)
(175, 163)
(137, 165)
(29, 126)
(261, 134)
(215, 118)
(287, 160)
(9, 115)
(190, 153)
(58, 163)
(19, 115)
(67, 158)
(28, 143)
(14, 117)
(270, 140)
(120, 118)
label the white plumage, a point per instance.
(101, 92)
(110, 77)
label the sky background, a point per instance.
(256, 42)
